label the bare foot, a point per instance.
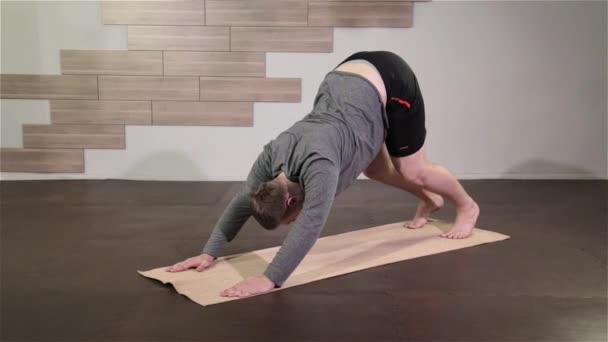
(466, 218)
(425, 209)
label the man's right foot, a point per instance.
(466, 217)
(425, 209)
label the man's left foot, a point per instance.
(466, 218)
(425, 209)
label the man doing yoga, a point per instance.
(368, 116)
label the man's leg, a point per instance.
(382, 170)
(418, 170)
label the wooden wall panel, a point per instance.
(360, 14)
(281, 39)
(148, 88)
(47, 87)
(74, 136)
(190, 62)
(250, 89)
(186, 38)
(183, 113)
(101, 112)
(41, 160)
(257, 12)
(105, 62)
(215, 63)
(171, 12)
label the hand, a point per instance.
(249, 287)
(201, 262)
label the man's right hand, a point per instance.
(200, 262)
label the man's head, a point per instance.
(277, 202)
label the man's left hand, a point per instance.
(249, 287)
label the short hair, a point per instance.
(269, 204)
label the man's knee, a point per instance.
(374, 174)
(413, 173)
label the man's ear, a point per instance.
(290, 201)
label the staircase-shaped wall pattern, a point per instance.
(189, 62)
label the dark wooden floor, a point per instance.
(70, 251)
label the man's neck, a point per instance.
(282, 177)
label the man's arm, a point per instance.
(239, 210)
(319, 191)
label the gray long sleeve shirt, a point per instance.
(324, 152)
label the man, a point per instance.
(368, 117)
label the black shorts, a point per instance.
(404, 103)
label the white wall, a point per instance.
(513, 90)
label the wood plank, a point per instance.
(101, 112)
(186, 38)
(171, 12)
(250, 89)
(257, 13)
(215, 63)
(282, 39)
(13, 86)
(185, 113)
(106, 62)
(360, 14)
(74, 136)
(148, 88)
(41, 160)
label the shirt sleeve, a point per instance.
(238, 210)
(320, 186)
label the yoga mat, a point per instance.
(330, 256)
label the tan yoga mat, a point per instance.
(330, 256)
